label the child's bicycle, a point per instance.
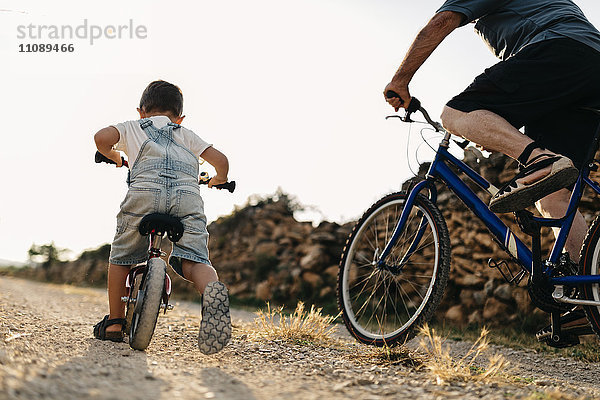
(148, 285)
(395, 265)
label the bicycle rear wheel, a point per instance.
(590, 265)
(135, 288)
(147, 305)
(383, 306)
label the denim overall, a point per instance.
(164, 178)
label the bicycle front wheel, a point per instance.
(147, 305)
(382, 305)
(590, 265)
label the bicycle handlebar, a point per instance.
(100, 158)
(204, 178)
(415, 105)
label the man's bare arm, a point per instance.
(427, 40)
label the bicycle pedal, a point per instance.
(169, 307)
(563, 341)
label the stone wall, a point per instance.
(263, 254)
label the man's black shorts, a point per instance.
(542, 88)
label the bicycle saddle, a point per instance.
(162, 223)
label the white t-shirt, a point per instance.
(133, 136)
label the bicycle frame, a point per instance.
(440, 169)
(153, 252)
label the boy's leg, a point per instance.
(198, 273)
(215, 326)
(117, 276)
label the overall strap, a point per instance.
(146, 125)
(155, 133)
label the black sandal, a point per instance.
(100, 329)
(515, 196)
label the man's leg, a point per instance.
(554, 206)
(495, 133)
(492, 132)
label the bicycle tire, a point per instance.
(147, 306)
(422, 280)
(135, 287)
(590, 265)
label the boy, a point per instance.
(164, 178)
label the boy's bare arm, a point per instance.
(105, 139)
(218, 160)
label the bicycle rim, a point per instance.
(148, 305)
(591, 266)
(383, 305)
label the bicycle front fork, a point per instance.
(408, 205)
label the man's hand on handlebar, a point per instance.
(397, 95)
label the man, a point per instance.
(550, 68)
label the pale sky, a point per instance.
(290, 91)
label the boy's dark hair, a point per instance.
(162, 96)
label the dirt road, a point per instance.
(47, 351)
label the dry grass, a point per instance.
(300, 326)
(447, 369)
(397, 355)
(550, 395)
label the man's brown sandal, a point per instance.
(515, 196)
(100, 329)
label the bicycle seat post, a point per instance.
(156, 243)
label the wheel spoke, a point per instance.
(383, 304)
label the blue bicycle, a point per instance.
(396, 262)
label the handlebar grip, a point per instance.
(204, 179)
(101, 158)
(390, 94)
(227, 185)
(413, 106)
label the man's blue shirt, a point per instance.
(509, 25)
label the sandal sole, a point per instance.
(215, 327)
(115, 338)
(527, 196)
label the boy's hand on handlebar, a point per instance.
(119, 161)
(397, 95)
(216, 180)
